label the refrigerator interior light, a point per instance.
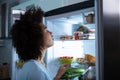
(18, 11)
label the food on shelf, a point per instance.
(91, 59)
(64, 37)
(66, 59)
(89, 18)
(91, 30)
(88, 59)
(81, 60)
(83, 29)
(77, 35)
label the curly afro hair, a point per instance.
(27, 34)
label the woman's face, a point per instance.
(47, 37)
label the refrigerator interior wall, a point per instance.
(77, 49)
(67, 24)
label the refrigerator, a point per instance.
(103, 43)
(64, 23)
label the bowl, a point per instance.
(66, 59)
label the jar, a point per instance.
(78, 35)
(89, 18)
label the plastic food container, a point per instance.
(66, 59)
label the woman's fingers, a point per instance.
(66, 65)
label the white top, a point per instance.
(33, 70)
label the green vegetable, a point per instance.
(83, 29)
(72, 72)
(79, 70)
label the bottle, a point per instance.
(76, 35)
(5, 72)
(91, 74)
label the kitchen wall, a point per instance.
(6, 53)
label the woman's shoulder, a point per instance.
(35, 70)
(31, 64)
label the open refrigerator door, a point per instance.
(74, 36)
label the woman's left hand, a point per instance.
(62, 70)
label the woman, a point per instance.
(31, 39)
